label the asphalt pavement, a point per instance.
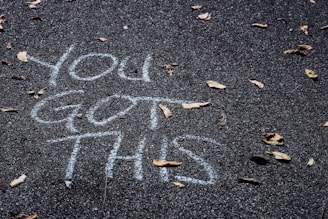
(85, 123)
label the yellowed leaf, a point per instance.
(311, 162)
(247, 180)
(311, 74)
(215, 84)
(279, 156)
(305, 29)
(22, 56)
(273, 139)
(167, 112)
(8, 45)
(263, 26)
(7, 109)
(18, 181)
(33, 4)
(257, 83)
(205, 16)
(194, 105)
(196, 7)
(179, 184)
(165, 163)
(324, 27)
(325, 124)
(102, 39)
(304, 46)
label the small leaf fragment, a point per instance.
(259, 159)
(42, 91)
(325, 124)
(311, 162)
(279, 156)
(215, 84)
(273, 139)
(305, 47)
(167, 112)
(196, 7)
(30, 92)
(179, 184)
(8, 45)
(257, 83)
(22, 56)
(311, 74)
(263, 26)
(194, 105)
(19, 77)
(312, 1)
(305, 29)
(324, 27)
(169, 68)
(247, 180)
(165, 163)
(7, 109)
(2, 21)
(295, 51)
(18, 181)
(102, 39)
(205, 16)
(34, 4)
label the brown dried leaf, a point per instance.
(305, 29)
(205, 16)
(257, 83)
(259, 159)
(24, 216)
(167, 112)
(194, 105)
(325, 124)
(273, 139)
(165, 163)
(279, 156)
(305, 47)
(33, 4)
(295, 51)
(18, 181)
(311, 74)
(263, 26)
(8, 45)
(215, 84)
(7, 109)
(102, 39)
(223, 119)
(22, 56)
(247, 180)
(179, 184)
(6, 62)
(196, 7)
(324, 27)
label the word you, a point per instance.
(55, 68)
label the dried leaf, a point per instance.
(20, 77)
(42, 91)
(324, 27)
(165, 110)
(30, 92)
(196, 7)
(312, 1)
(295, 51)
(311, 74)
(102, 39)
(22, 56)
(33, 4)
(18, 181)
(311, 162)
(305, 47)
(194, 105)
(179, 184)
(257, 83)
(2, 21)
(223, 119)
(247, 180)
(305, 29)
(24, 216)
(325, 124)
(6, 62)
(36, 18)
(169, 68)
(273, 139)
(206, 16)
(165, 163)
(7, 109)
(9, 46)
(215, 84)
(263, 26)
(279, 156)
(259, 159)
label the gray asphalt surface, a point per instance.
(225, 48)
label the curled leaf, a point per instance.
(24, 216)
(205, 16)
(18, 181)
(7, 109)
(279, 156)
(311, 162)
(22, 56)
(165, 163)
(257, 83)
(247, 180)
(167, 112)
(305, 47)
(215, 84)
(311, 74)
(273, 139)
(194, 105)
(305, 29)
(179, 184)
(196, 7)
(263, 26)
